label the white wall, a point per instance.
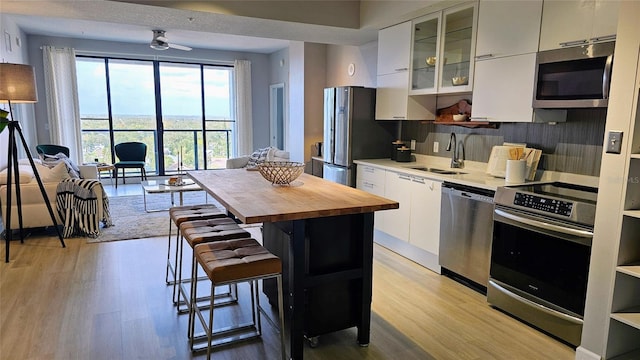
(364, 58)
(315, 67)
(13, 50)
(295, 134)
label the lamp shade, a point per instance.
(17, 83)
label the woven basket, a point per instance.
(280, 172)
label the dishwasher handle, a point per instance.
(468, 193)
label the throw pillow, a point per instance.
(258, 156)
(54, 174)
(53, 160)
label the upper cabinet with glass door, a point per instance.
(443, 49)
(426, 47)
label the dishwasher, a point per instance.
(466, 231)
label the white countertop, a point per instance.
(474, 172)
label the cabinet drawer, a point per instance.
(370, 187)
(371, 174)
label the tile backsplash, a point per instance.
(574, 146)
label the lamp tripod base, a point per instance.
(13, 172)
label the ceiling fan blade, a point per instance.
(179, 47)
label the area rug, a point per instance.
(131, 221)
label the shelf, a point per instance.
(631, 269)
(634, 156)
(467, 124)
(632, 213)
(629, 317)
(425, 68)
(458, 34)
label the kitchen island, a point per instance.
(323, 232)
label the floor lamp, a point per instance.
(18, 85)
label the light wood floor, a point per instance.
(110, 301)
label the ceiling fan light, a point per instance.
(159, 45)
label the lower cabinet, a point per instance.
(396, 222)
(412, 230)
(424, 222)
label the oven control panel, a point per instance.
(540, 203)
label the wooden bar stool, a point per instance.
(180, 214)
(205, 231)
(232, 262)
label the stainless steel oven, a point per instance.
(540, 255)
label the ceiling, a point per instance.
(132, 23)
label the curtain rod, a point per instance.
(130, 56)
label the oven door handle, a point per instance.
(545, 225)
(532, 304)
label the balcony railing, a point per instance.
(196, 149)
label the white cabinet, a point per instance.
(392, 95)
(507, 28)
(425, 55)
(417, 221)
(394, 103)
(503, 89)
(577, 22)
(394, 48)
(424, 222)
(372, 180)
(507, 43)
(442, 52)
(396, 222)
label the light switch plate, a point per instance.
(614, 142)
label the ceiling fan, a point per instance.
(160, 42)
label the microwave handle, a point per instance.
(606, 77)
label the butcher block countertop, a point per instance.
(252, 199)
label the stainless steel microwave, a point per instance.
(574, 77)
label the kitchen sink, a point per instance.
(438, 171)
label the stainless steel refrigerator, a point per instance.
(351, 132)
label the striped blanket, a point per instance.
(77, 206)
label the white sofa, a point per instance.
(34, 209)
(266, 154)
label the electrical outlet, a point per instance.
(436, 146)
(413, 144)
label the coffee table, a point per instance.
(162, 187)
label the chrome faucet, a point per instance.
(456, 163)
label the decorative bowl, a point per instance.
(431, 60)
(280, 172)
(459, 80)
(459, 117)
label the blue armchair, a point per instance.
(131, 155)
(48, 149)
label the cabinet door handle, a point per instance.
(418, 180)
(483, 57)
(574, 42)
(401, 69)
(399, 117)
(479, 118)
(404, 177)
(603, 38)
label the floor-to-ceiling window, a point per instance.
(182, 111)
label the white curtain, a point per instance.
(62, 99)
(244, 117)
